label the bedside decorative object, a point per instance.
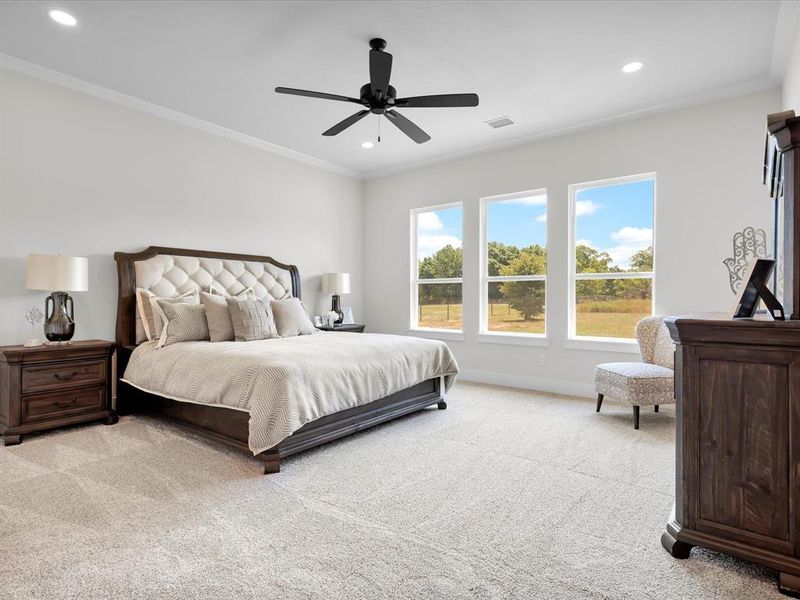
(749, 243)
(317, 321)
(34, 316)
(50, 386)
(336, 284)
(348, 316)
(64, 274)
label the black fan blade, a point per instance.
(351, 120)
(439, 101)
(380, 70)
(407, 127)
(309, 94)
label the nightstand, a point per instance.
(50, 386)
(353, 328)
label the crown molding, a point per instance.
(97, 91)
(742, 89)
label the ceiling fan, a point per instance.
(380, 98)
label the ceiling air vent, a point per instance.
(500, 122)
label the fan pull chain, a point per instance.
(379, 129)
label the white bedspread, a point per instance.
(286, 383)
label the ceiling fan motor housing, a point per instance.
(376, 105)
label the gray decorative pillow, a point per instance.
(182, 323)
(151, 317)
(220, 327)
(291, 318)
(251, 319)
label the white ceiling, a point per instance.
(549, 65)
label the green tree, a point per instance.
(591, 260)
(642, 260)
(500, 255)
(527, 297)
(446, 263)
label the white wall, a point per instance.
(708, 165)
(791, 77)
(84, 176)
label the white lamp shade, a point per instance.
(57, 273)
(336, 283)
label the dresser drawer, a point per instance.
(58, 375)
(62, 403)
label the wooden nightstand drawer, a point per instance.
(63, 403)
(59, 375)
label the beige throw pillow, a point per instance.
(291, 318)
(182, 323)
(220, 327)
(251, 320)
(151, 319)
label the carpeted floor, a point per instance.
(507, 494)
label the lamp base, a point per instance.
(60, 324)
(336, 307)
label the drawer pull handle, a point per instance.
(66, 404)
(65, 377)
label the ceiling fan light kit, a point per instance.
(380, 98)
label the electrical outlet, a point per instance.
(541, 360)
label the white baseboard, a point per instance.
(539, 384)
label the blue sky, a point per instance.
(617, 219)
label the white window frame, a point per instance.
(415, 327)
(507, 337)
(583, 342)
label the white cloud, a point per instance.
(634, 235)
(429, 221)
(631, 240)
(428, 245)
(583, 243)
(542, 218)
(529, 200)
(585, 207)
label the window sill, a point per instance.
(602, 345)
(438, 334)
(519, 339)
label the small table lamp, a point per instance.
(336, 283)
(64, 274)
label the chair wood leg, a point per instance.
(636, 417)
(655, 409)
(599, 402)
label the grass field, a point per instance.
(603, 318)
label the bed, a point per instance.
(275, 397)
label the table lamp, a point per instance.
(336, 283)
(59, 275)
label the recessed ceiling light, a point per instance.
(367, 145)
(63, 18)
(632, 67)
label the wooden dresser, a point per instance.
(737, 485)
(50, 386)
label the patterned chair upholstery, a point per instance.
(646, 383)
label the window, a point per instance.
(611, 257)
(514, 265)
(437, 265)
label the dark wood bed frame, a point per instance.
(229, 426)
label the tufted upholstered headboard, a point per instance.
(172, 271)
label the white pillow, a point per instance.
(291, 318)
